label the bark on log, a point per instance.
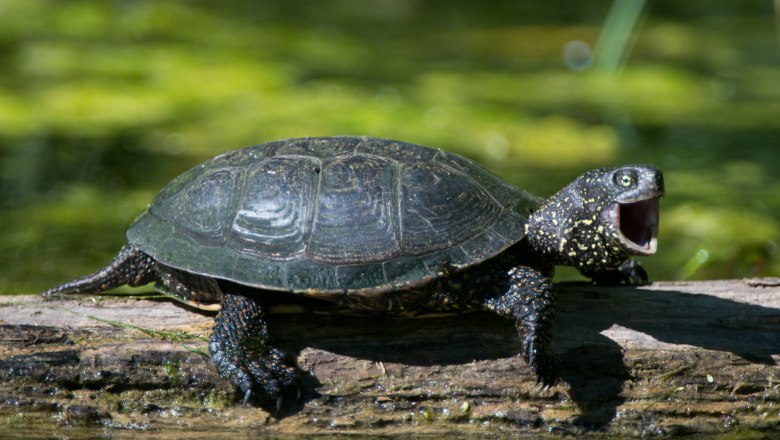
(675, 358)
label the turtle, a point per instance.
(374, 227)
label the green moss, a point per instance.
(173, 371)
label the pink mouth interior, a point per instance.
(638, 221)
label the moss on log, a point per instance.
(670, 358)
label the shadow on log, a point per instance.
(671, 358)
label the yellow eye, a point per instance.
(625, 179)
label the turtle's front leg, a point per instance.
(240, 350)
(530, 299)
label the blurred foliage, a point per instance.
(102, 102)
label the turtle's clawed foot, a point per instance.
(284, 399)
(538, 351)
(629, 272)
(633, 273)
(269, 377)
(544, 363)
(277, 378)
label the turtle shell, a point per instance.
(332, 215)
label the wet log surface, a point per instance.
(673, 358)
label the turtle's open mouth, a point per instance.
(637, 223)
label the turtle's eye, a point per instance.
(625, 179)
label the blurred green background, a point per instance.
(103, 102)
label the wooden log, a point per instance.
(670, 358)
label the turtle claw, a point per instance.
(635, 274)
(544, 363)
(630, 273)
(547, 373)
(283, 400)
(262, 378)
(263, 383)
(541, 386)
(273, 378)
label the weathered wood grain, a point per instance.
(697, 357)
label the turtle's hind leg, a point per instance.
(241, 351)
(131, 266)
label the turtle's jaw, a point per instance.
(637, 224)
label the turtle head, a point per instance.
(600, 218)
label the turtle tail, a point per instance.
(131, 266)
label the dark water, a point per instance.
(103, 102)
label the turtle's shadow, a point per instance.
(592, 363)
